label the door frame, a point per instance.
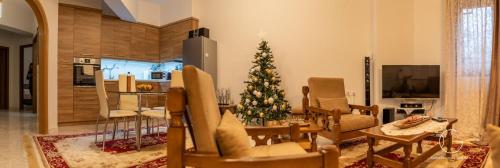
(21, 74)
(8, 72)
(43, 29)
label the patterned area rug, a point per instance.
(467, 155)
(64, 151)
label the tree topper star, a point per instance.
(261, 34)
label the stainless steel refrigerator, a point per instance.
(202, 53)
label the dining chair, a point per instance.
(175, 81)
(128, 102)
(162, 113)
(106, 113)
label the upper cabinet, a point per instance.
(87, 33)
(172, 37)
(152, 43)
(138, 41)
(107, 37)
(122, 39)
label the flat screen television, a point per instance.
(410, 81)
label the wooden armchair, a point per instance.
(203, 118)
(325, 100)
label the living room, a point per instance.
(297, 75)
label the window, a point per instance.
(476, 39)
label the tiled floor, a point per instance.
(14, 125)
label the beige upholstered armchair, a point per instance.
(325, 103)
(210, 131)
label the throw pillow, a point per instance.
(494, 141)
(232, 137)
(335, 103)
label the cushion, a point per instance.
(232, 137)
(352, 122)
(325, 88)
(282, 149)
(335, 103)
(121, 113)
(203, 108)
(494, 142)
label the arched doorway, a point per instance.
(43, 38)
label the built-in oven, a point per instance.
(84, 71)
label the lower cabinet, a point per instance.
(86, 101)
(86, 104)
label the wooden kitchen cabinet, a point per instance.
(65, 64)
(86, 104)
(87, 33)
(172, 37)
(152, 44)
(138, 42)
(122, 39)
(107, 37)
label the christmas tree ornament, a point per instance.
(255, 92)
(266, 84)
(269, 71)
(247, 101)
(249, 112)
(257, 68)
(254, 103)
(266, 102)
(275, 107)
(261, 115)
(240, 106)
(270, 100)
(259, 94)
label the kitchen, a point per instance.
(90, 40)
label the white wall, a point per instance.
(324, 38)
(96, 4)
(13, 41)
(18, 15)
(174, 10)
(148, 11)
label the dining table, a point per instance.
(138, 122)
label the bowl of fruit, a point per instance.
(145, 87)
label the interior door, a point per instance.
(4, 78)
(36, 49)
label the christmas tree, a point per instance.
(263, 99)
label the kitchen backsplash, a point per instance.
(142, 70)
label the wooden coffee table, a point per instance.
(406, 142)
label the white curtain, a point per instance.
(467, 63)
